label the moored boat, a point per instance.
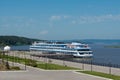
(74, 48)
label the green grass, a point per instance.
(49, 66)
(114, 77)
(33, 63)
(4, 68)
(15, 68)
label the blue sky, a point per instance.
(61, 19)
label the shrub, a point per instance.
(15, 68)
(2, 67)
(31, 63)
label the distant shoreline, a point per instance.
(113, 46)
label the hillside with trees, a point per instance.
(16, 40)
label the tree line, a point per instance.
(16, 40)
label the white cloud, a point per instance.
(54, 18)
(66, 17)
(83, 19)
(73, 22)
(44, 32)
(5, 25)
(96, 19)
(16, 22)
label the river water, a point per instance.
(101, 53)
(106, 54)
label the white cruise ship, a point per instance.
(73, 48)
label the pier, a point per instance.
(53, 55)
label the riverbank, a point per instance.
(4, 66)
(90, 67)
(45, 74)
(100, 53)
(34, 63)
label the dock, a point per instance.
(53, 55)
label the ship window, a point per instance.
(74, 53)
(81, 53)
(83, 50)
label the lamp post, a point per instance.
(83, 63)
(109, 67)
(91, 65)
(3, 55)
(25, 59)
(7, 49)
(13, 58)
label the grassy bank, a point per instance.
(50, 66)
(3, 67)
(33, 63)
(114, 77)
